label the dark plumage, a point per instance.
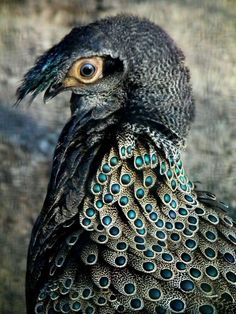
(123, 229)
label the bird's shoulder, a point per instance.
(142, 234)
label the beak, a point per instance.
(53, 90)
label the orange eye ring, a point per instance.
(84, 71)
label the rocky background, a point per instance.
(205, 30)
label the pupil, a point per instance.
(87, 70)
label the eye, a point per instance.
(87, 70)
(84, 71)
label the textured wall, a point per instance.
(205, 30)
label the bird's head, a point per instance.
(122, 65)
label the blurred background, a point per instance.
(206, 32)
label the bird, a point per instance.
(123, 229)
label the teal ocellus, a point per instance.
(123, 229)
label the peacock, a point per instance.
(123, 229)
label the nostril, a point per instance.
(56, 86)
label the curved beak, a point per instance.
(53, 90)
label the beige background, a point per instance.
(204, 29)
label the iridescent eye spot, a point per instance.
(107, 220)
(104, 281)
(66, 308)
(167, 198)
(232, 238)
(187, 232)
(187, 285)
(149, 253)
(183, 211)
(148, 181)
(172, 214)
(120, 261)
(163, 167)
(160, 235)
(186, 257)
(231, 276)
(86, 293)
(206, 309)
(101, 301)
(86, 222)
(106, 168)
(166, 274)
(206, 287)
(195, 273)
(149, 266)
(115, 188)
(124, 200)
(91, 258)
(121, 246)
(154, 294)
(210, 253)
(54, 295)
(147, 159)
(138, 161)
(125, 179)
(99, 204)
(177, 305)
(68, 283)
(173, 204)
(153, 216)
(183, 187)
(131, 214)
(102, 178)
(169, 174)
(199, 211)
(192, 220)
(157, 248)
(138, 239)
(114, 161)
(227, 297)
(188, 198)
(76, 306)
(114, 231)
(229, 258)
(102, 238)
(179, 225)
(212, 271)
(140, 193)
(213, 219)
(97, 188)
(148, 208)
(175, 237)
(173, 184)
(169, 225)
(210, 236)
(90, 212)
(138, 223)
(141, 231)
(167, 257)
(89, 310)
(159, 223)
(154, 158)
(140, 247)
(129, 288)
(191, 244)
(180, 266)
(136, 303)
(108, 198)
